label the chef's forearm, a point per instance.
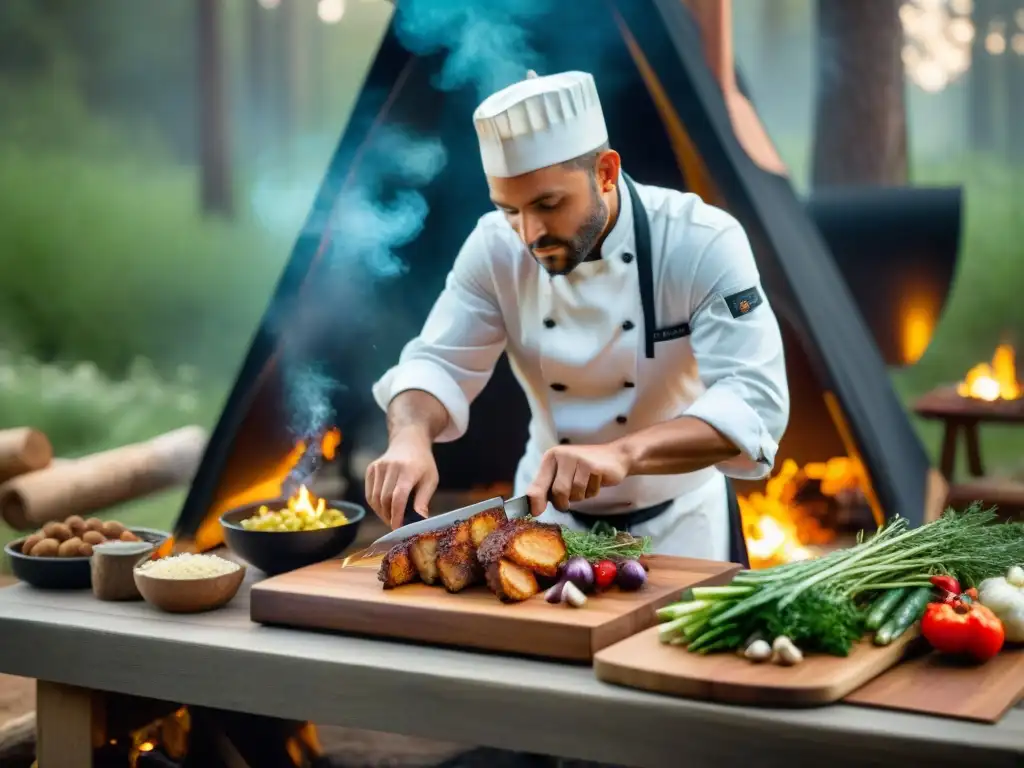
(417, 414)
(685, 444)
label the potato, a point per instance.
(45, 548)
(70, 547)
(94, 524)
(85, 549)
(93, 537)
(30, 542)
(112, 529)
(57, 531)
(76, 524)
(129, 536)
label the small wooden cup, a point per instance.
(113, 565)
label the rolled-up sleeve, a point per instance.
(738, 347)
(454, 355)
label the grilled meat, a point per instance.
(484, 524)
(535, 546)
(456, 557)
(423, 549)
(397, 567)
(510, 582)
(513, 555)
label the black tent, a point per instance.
(341, 311)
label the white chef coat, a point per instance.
(577, 342)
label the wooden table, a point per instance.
(963, 415)
(77, 646)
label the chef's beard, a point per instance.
(580, 246)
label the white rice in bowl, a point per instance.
(188, 566)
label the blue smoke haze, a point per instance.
(488, 49)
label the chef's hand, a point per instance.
(408, 465)
(574, 473)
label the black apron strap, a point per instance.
(737, 542)
(644, 264)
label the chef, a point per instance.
(634, 320)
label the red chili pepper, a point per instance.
(946, 583)
(604, 574)
(963, 628)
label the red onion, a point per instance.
(579, 572)
(631, 575)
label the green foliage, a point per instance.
(107, 261)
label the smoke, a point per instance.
(487, 42)
(487, 49)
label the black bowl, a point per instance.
(276, 552)
(63, 572)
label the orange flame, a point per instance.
(997, 381)
(776, 529)
(210, 535)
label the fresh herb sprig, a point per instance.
(604, 542)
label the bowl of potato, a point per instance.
(57, 555)
(276, 538)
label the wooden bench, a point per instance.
(963, 416)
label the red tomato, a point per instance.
(963, 628)
(604, 574)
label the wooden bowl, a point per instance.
(189, 595)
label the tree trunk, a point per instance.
(980, 126)
(1014, 87)
(214, 144)
(257, 76)
(860, 122)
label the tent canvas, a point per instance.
(337, 320)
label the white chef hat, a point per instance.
(539, 121)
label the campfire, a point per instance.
(995, 381)
(801, 510)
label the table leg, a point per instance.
(973, 449)
(70, 723)
(947, 462)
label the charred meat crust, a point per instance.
(510, 582)
(456, 558)
(536, 546)
(397, 567)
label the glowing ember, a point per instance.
(777, 528)
(997, 381)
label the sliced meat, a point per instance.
(536, 546)
(423, 549)
(485, 523)
(511, 582)
(397, 567)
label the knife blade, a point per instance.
(516, 507)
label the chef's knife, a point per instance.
(516, 507)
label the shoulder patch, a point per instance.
(744, 302)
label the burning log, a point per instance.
(997, 381)
(91, 483)
(23, 450)
(316, 451)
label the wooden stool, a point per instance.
(964, 415)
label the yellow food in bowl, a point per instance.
(313, 519)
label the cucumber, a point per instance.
(910, 609)
(884, 606)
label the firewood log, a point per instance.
(23, 450)
(91, 483)
(18, 740)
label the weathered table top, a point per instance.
(223, 660)
(944, 403)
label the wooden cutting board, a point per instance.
(644, 662)
(327, 596)
(937, 685)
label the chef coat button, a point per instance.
(627, 257)
(621, 419)
(559, 387)
(564, 441)
(628, 325)
(549, 323)
(628, 384)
